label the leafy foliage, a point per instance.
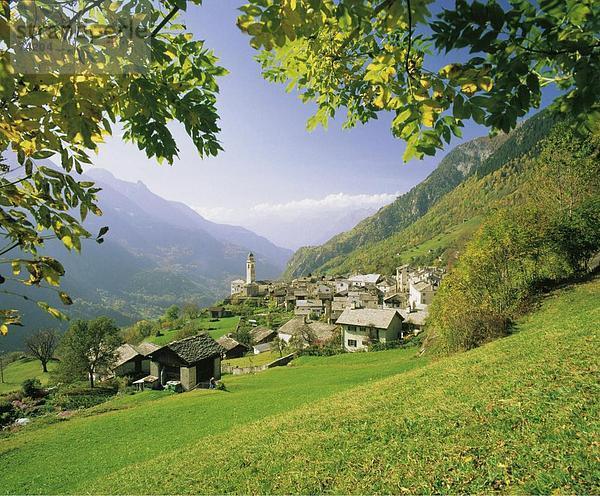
(368, 57)
(64, 103)
(31, 387)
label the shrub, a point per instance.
(389, 345)
(75, 398)
(320, 350)
(8, 413)
(31, 388)
(548, 237)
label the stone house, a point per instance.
(365, 280)
(309, 308)
(257, 349)
(364, 326)
(414, 320)
(237, 286)
(192, 361)
(133, 360)
(420, 294)
(395, 300)
(218, 312)
(310, 332)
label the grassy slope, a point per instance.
(16, 372)
(73, 456)
(253, 360)
(217, 329)
(520, 414)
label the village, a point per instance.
(360, 310)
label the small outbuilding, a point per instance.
(218, 312)
(191, 361)
(233, 348)
(261, 335)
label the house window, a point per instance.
(352, 343)
(351, 328)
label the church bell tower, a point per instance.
(250, 269)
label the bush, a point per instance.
(31, 388)
(320, 350)
(75, 398)
(8, 413)
(389, 345)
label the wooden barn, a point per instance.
(233, 348)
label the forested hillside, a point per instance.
(427, 222)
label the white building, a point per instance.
(420, 294)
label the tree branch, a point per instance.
(167, 18)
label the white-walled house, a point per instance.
(364, 326)
(420, 294)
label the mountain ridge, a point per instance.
(157, 253)
(478, 157)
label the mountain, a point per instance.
(157, 253)
(408, 230)
(180, 215)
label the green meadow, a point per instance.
(16, 372)
(517, 415)
(215, 329)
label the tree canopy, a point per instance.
(366, 57)
(70, 71)
(88, 348)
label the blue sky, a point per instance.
(270, 159)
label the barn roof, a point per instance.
(259, 333)
(229, 343)
(381, 318)
(127, 352)
(195, 348)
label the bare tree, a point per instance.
(42, 346)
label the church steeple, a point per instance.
(250, 269)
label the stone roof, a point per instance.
(380, 318)
(196, 348)
(319, 330)
(309, 303)
(124, 353)
(365, 278)
(259, 333)
(127, 351)
(416, 318)
(423, 286)
(396, 296)
(229, 343)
